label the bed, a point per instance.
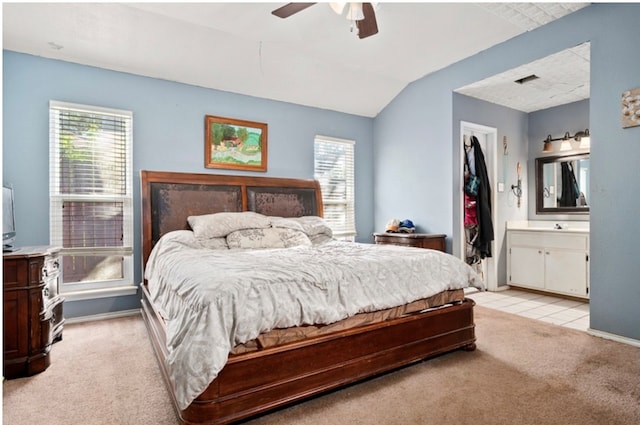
(294, 361)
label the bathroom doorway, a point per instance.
(487, 138)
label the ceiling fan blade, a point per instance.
(368, 26)
(290, 9)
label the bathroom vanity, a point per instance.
(549, 256)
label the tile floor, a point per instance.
(559, 311)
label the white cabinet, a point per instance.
(553, 261)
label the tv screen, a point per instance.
(8, 219)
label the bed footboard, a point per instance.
(302, 369)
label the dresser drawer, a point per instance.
(417, 240)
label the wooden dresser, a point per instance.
(33, 310)
(419, 240)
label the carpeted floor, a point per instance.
(523, 372)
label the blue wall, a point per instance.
(168, 129)
(404, 157)
(414, 141)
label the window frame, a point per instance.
(346, 231)
(96, 288)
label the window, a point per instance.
(333, 166)
(90, 196)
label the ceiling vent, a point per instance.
(527, 79)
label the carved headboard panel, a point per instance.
(282, 201)
(169, 198)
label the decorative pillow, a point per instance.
(272, 237)
(286, 223)
(221, 224)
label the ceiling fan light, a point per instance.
(338, 6)
(355, 12)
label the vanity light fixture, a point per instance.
(566, 143)
(582, 136)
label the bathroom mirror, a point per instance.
(562, 184)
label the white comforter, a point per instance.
(215, 299)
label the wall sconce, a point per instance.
(517, 188)
(582, 136)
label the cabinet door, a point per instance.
(16, 326)
(526, 266)
(566, 272)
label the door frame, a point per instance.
(490, 136)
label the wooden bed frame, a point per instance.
(256, 382)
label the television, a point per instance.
(8, 219)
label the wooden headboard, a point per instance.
(169, 198)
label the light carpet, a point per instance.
(523, 372)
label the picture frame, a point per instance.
(235, 144)
(631, 108)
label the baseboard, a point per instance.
(102, 316)
(614, 337)
(502, 288)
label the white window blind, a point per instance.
(91, 205)
(334, 169)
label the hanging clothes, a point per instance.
(483, 203)
(472, 255)
(570, 191)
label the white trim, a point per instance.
(614, 337)
(98, 288)
(490, 264)
(335, 139)
(92, 294)
(83, 108)
(103, 316)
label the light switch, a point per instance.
(500, 187)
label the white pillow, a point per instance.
(314, 225)
(221, 224)
(188, 238)
(212, 243)
(272, 237)
(286, 223)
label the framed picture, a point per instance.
(631, 108)
(235, 144)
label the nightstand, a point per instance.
(418, 240)
(33, 315)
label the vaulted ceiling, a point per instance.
(311, 58)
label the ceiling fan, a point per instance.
(362, 14)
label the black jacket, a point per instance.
(485, 225)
